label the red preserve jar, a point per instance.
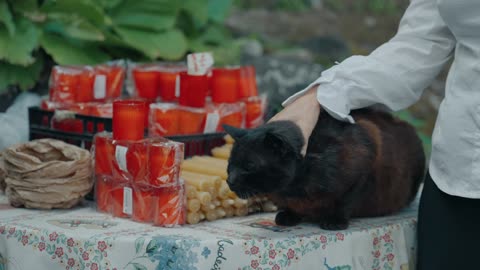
(193, 90)
(225, 84)
(129, 119)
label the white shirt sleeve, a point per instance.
(396, 73)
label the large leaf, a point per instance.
(170, 45)
(218, 10)
(186, 23)
(6, 17)
(24, 5)
(66, 52)
(23, 76)
(148, 21)
(198, 10)
(27, 8)
(74, 26)
(145, 14)
(17, 49)
(83, 8)
(112, 39)
(108, 4)
(215, 35)
(149, 6)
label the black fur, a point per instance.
(370, 168)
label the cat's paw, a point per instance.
(287, 218)
(334, 224)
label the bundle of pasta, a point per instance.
(208, 194)
(209, 197)
(222, 152)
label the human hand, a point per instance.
(304, 112)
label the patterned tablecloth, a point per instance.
(84, 239)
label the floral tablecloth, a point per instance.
(81, 238)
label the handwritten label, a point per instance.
(220, 256)
(127, 200)
(100, 87)
(199, 63)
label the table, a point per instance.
(81, 238)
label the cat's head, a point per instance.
(264, 160)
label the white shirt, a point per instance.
(396, 73)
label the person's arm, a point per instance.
(396, 73)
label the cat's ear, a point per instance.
(276, 142)
(236, 133)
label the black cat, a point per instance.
(371, 168)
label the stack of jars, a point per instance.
(138, 177)
(204, 103)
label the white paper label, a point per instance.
(127, 200)
(211, 123)
(199, 63)
(177, 86)
(100, 87)
(121, 157)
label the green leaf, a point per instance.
(66, 52)
(146, 14)
(82, 8)
(17, 49)
(138, 266)
(170, 45)
(28, 9)
(152, 246)
(23, 76)
(74, 26)
(144, 21)
(24, 5)
(215, 34)
(6, 17)
(218, 10)
(186, 23)
(139, 244)
(112, 39)
(108, 4)
(149, 6)
(198, 10)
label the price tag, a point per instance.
(177, 86)
(100, 87)
(121, 157)
(127, 200)
(211, 122)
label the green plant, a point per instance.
(33, 32)
(286, 5)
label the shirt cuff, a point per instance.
(331, 97)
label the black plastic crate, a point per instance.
(40, 127)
